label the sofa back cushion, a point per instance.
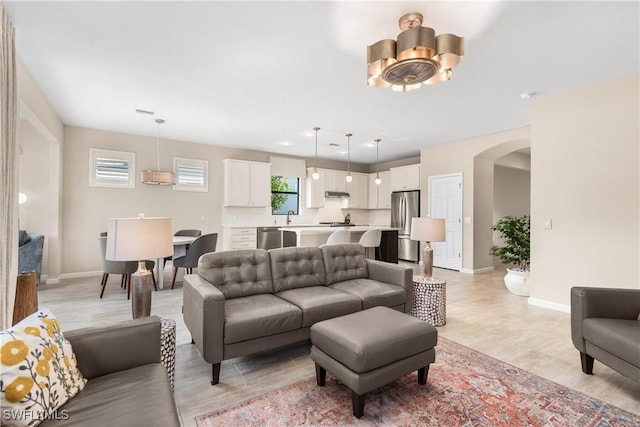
(344, 262)
(237, 273)
(297, 268)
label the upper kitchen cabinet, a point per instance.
(335, 180)
(380, 195)
(358, 190)
(246, 184)
(405, 178)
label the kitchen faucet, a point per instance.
(289, 218)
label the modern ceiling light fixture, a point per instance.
(349, 178)
(315, 174)
(419, 56)
(378, 181)
(158, 177)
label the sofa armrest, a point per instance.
(103, 350)
(612, 303)
(394, 274)
(204, 316)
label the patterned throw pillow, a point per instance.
(38, 371)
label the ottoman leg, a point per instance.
(321, 375)
(422, 375)
(358, 403)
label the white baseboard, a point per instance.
(78, 275)
(477, 270)
(550, 305)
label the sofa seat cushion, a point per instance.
(139, 396)
(373, 293)
(321, 303)
(620, 337)
(259, 316)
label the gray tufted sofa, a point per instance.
(247, 301)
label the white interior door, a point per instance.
(445, 201)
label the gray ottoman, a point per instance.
(371, 348)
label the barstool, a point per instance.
(370, 240)
(339, 236)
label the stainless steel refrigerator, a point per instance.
(404, 206)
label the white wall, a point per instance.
(40, 139)
(511, 192)
(585, 177)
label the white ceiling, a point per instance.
(256, 74)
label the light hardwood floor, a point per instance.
(481, 314)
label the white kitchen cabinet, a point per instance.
(358, 190)
(246, 184)
(235, 238)
(335, 180)
(405, 178)
(380, 195)
(314, 194)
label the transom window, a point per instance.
(191, 174)
(108, 168)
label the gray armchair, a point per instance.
(30, 249)
(605, 327)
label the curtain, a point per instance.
(8, 171)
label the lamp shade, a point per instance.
(134, 239)
(427, 229)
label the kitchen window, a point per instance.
(285, 194)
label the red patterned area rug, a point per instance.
(464, 388)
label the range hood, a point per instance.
(336, 194)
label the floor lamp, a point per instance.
(139, 239)
(428, 230)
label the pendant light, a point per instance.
(378, 181)
(315, 174)
(158, 177)
(349, 178)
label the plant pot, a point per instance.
(517, 282)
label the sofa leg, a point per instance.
(587, 363)
(215, 373)
(321, 375)
(422, 375)
(358, 403)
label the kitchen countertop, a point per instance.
(319, 229)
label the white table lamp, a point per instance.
(428, 230)
(139, 239)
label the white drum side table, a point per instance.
(168, 348)
(430, 300)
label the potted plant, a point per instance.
(515, 251)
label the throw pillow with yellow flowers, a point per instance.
(38, 371)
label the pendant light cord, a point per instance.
(159, 122)
(349, 153)
(316, 129)
(377, 159)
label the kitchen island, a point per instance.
(316, 236)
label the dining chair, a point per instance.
(339, 236)
(190, 232)
(370, 240)
(202, 245)
(125, 268)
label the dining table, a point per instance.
(180, 244)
